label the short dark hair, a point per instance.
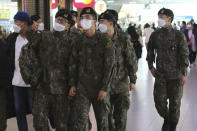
(183, 22)
(34, 18)
(146, 25)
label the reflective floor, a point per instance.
(142, 115)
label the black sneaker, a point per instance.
(165, 126)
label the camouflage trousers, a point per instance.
(3, 118)
(118, 114)
(54, 106)
(73, 117)
(165, 89)
(101, 110)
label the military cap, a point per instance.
(66, 14)
(166, 12)
(106, 15)
(74, 13)
(114, 13)
(88, 10)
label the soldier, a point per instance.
(125, 66)
(58, 66)
(90, 72)
(170, 47)
(75, 32)
(52, 51)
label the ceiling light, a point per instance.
(132, 2)
(110, 1)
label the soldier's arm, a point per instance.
(73, 64)
(131, 61)
(183, 55)
(150, 52)
(109, 58)
(28, 60)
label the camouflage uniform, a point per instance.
(170, 47)
(91, 71)
(52, 51)
(73, 34)
(126, 65)
(34, 71)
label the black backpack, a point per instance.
(138, 48)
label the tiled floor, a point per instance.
(142, 115)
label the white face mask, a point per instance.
(16, 28)
(103, 28)
(161, 22)
(189, 26)
(41, 27)
(59, 27)
(86, 24)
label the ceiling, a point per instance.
(117, 4)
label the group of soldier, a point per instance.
(67, 70)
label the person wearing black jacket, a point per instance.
(3, 84)
(22, 92)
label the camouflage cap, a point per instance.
(106, 15)
(88, 10)
(114, 13)
(166, 12)
(66, 14)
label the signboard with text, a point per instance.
(4, 14)
(83, 3)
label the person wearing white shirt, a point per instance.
(22, 92)
(147, 33)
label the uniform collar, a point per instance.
(115, 34)
(168, 28)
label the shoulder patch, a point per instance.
(108, 45)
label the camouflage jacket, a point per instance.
(34, 59)
(169, 48)
(92, 63)
(29, 65)
(58, 64)
(125, 63)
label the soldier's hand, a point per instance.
(152, 70)
(132, 86)
(72, 91)
(102, 94)
(182, 80)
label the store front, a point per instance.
(8, 9)
(145, 11)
